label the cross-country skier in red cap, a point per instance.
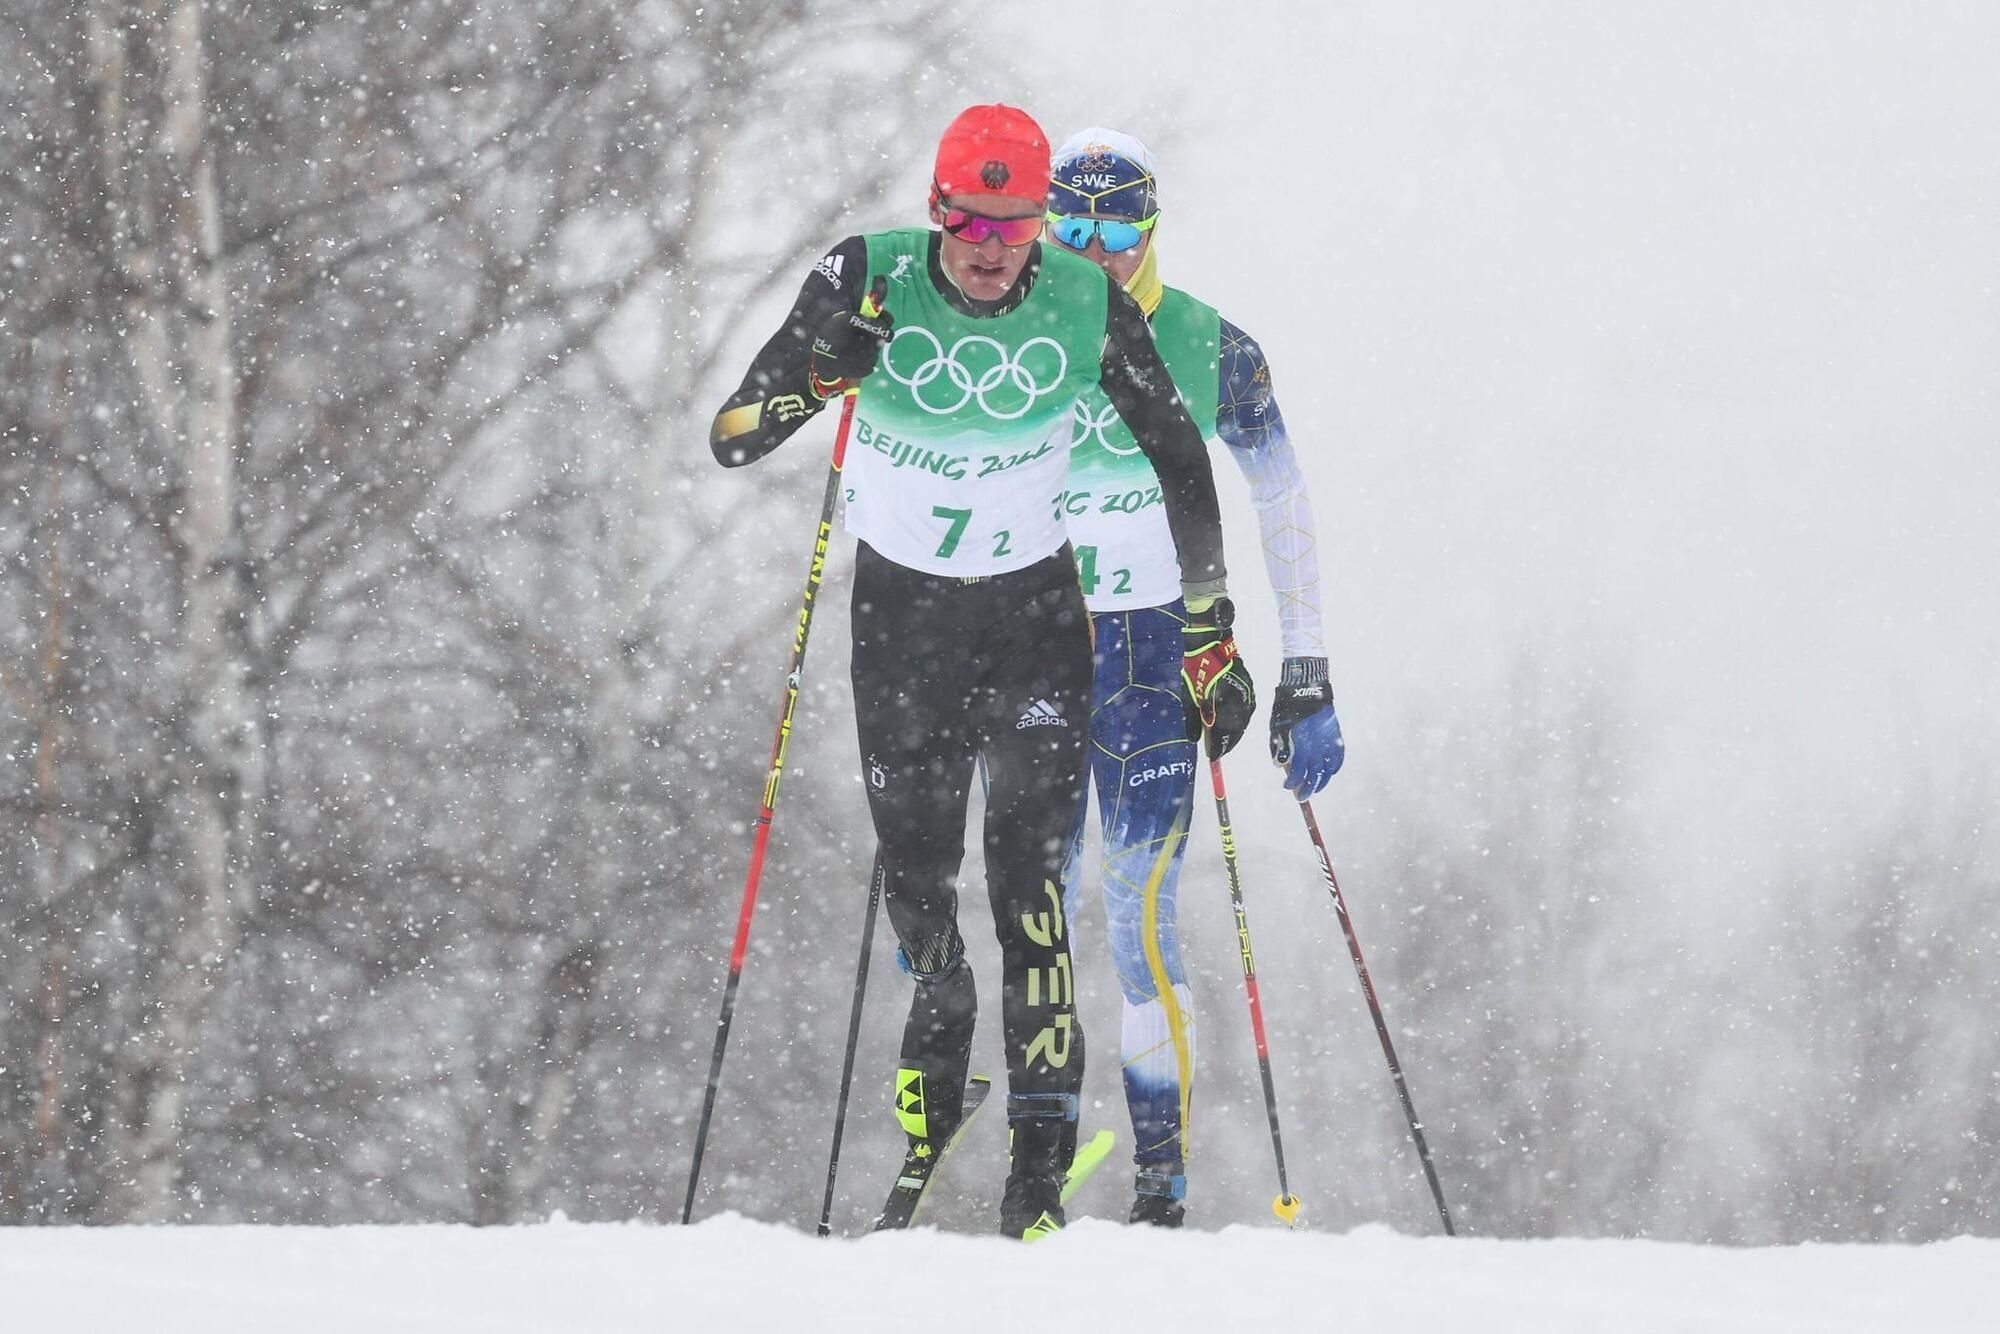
(970, 637)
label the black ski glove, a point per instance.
(1220, 693)
(848, 344)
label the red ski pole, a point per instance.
(769, 809)
(1287, 1205)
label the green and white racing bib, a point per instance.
(1112, 505)
(961, 436)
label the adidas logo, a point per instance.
(1040, 714)
(829, 269)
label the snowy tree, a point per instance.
(356, 365)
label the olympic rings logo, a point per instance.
(1005, 383)
(1086, 421)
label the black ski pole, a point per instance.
(1375, 1009)
(1287, 1205)
(769, 809)
(853, 1039)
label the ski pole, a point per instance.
(853, 1038)
(768, 810)
(1287, 1205)
(1375, 1009)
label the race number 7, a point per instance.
(958, 520)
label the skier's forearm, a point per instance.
(776, 396)
(1249, 422)
(1291, 554)
(1285, 522)
(772, 403)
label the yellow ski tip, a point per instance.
(1045, 1226)
(1287, 1208)
(1089, 1157)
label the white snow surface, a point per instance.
(729, 1275)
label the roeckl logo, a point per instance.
(1040, 714)
(1005, 381)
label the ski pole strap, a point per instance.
(1042, 1106)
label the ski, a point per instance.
(920, 1165)
(1089, 1157)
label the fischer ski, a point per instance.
(920, 1164)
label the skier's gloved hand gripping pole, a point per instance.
(1375, 1009)
(1218, 683)
(870, 318)
(848, 343)
(1305, 730)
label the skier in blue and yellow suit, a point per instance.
(1104, 205)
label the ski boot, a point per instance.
(932, 1115)
(1158, 1191)
(1032, 1206)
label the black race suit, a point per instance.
(950, 671)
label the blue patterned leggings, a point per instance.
(1142, 765)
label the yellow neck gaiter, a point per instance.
(1146, 287)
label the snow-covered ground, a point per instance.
(734, 1276)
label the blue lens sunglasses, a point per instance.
(1116, 235)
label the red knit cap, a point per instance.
(992, 150)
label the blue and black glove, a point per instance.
(1305, 731)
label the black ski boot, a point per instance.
(1032, 1206)
(1157, 1195)
(931, 1113)
(932, 1098)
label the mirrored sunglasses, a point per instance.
(1114, 234)
(976, 227)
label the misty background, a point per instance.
(387, 674)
